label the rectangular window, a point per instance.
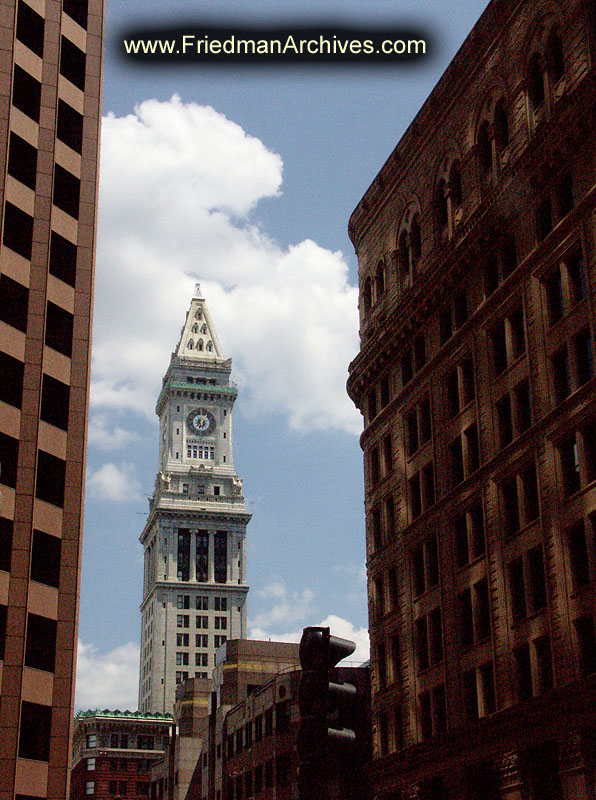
(220, 556)
(59, 329)
(72, 63)
(51, 477)
(40, 652)
(22, 160)
(523, 672)
(69, 127)
(18, 233)
(11, 386)
(55, 399)
(6, 526)
(45, 558)
(183, 554)
(30, 28)
(561, 375)
(584, 356)
(67, 191)
(34, 738)
(578, 555)
(375, 472)
(26, 93)
(182, 621)
(63, 258)
(3, 615)
(77, 10)
(407, 368)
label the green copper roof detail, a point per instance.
(105, 712)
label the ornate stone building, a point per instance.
(50, 92)
(113, 752)
(195, 587)
(477, 260)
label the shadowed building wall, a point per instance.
(476, 249)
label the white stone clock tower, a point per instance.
(194, 590)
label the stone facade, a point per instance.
(477, 264)
(50, 93)
(195, 589)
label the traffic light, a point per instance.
(324, 703)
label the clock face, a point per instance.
(201, 421)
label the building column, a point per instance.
(573, 777)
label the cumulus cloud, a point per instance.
(338, 626)
(286, 608)
(114, 482)
(179, 185)
(105, 435)
(107, 680)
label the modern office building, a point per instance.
(477, 265)
(194, 590)
(113, 752)
(50, 105)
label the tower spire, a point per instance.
(198, 337)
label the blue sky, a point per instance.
(242, 178)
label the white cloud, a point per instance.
(107, 680)
(178, 185)
(338, 627)
(114, 482)
(107, 437)
(285, 609)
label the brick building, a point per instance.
(113, 752)
(243, 736)
(477, 261)
(50, 87)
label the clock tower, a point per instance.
(194, 589)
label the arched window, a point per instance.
(536, 83)
(501, 127)
(555, 61)
(485, 151)
(455, 186)
(203, 329)
(441, 208)
(415, 241)
(380, 280)
(200, 344)
(189, 345)
(195, 328)
(367, 295)
(209, 346)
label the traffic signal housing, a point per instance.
(325, 703)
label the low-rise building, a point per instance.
(113, 752)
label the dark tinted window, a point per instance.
(51, 473)
(11, 383)
(70, 126)
(26, 93)
(77, 9)
(9, 455)
(45, 558)
(18, 230)
(30, 28)
(36, 724)
(5, 543)
(40, 652)
(63, 259)
(72, 63)
(55, 397)
(22, 161)
(3, 611)
(67, 190)
(59, 325)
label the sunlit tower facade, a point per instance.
(194, 589)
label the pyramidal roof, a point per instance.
(198, 339)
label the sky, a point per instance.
(242, 178)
